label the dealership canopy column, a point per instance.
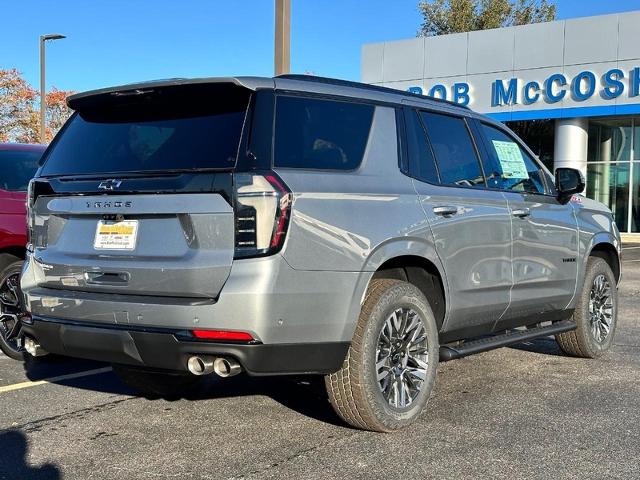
(571, 141)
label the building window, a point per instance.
(610, 140)
(635, 198)
(613, 168)
(636, 139)
(609, 183)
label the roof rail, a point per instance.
(377, 88)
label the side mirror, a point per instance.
(569, 181)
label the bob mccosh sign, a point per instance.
(609, 86)
(580, 67)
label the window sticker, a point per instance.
(510, 158)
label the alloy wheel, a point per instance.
(402, 357)
(11, 311)
(600, 308)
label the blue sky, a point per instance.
(120, 41)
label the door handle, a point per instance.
(445, 210)
(521, 212)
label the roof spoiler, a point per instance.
(126, 93)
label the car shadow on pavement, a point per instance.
(305, 395)
(14, 447)
(544, 345)
(52, 367)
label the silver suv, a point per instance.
(302, 225)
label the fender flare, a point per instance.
(599, 239)
(395, 248)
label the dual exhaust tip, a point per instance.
(197, 364)
(221, 366)
(33, 348)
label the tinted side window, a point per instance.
(422, 165)
(17, 168)
(321, 134)
(454, 151)
(509, 167)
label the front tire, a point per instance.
(386, 380)
(11, 309)
(596, 313)
(153, 383)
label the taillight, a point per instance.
(30, 213)
(263, 208)
(222, 335)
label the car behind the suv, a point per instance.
(301, 225)
(18, 164)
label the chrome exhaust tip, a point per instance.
(226, 367)
(200, 365)
(33, 348)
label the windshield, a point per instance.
(149, 134)
(17, 168)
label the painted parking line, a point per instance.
(70, 376)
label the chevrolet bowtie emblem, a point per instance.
(110, 184)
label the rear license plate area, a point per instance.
(116, 235)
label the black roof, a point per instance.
(83, 99)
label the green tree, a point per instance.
(441, 17)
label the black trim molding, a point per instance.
(168, 350)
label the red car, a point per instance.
(18, 164)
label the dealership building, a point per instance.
(570, 89)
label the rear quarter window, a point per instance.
(320, 134)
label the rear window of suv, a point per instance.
(153, 135)
(321, 134)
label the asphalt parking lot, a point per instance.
(520, 412)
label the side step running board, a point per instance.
(509, 338)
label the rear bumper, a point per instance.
(264, 297)
(170, 349)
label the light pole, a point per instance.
(282, 43)
(43, 98)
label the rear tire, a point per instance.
(11, 337)
(153, 383)
(596, 313)
(6, 259)
(379, 377)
